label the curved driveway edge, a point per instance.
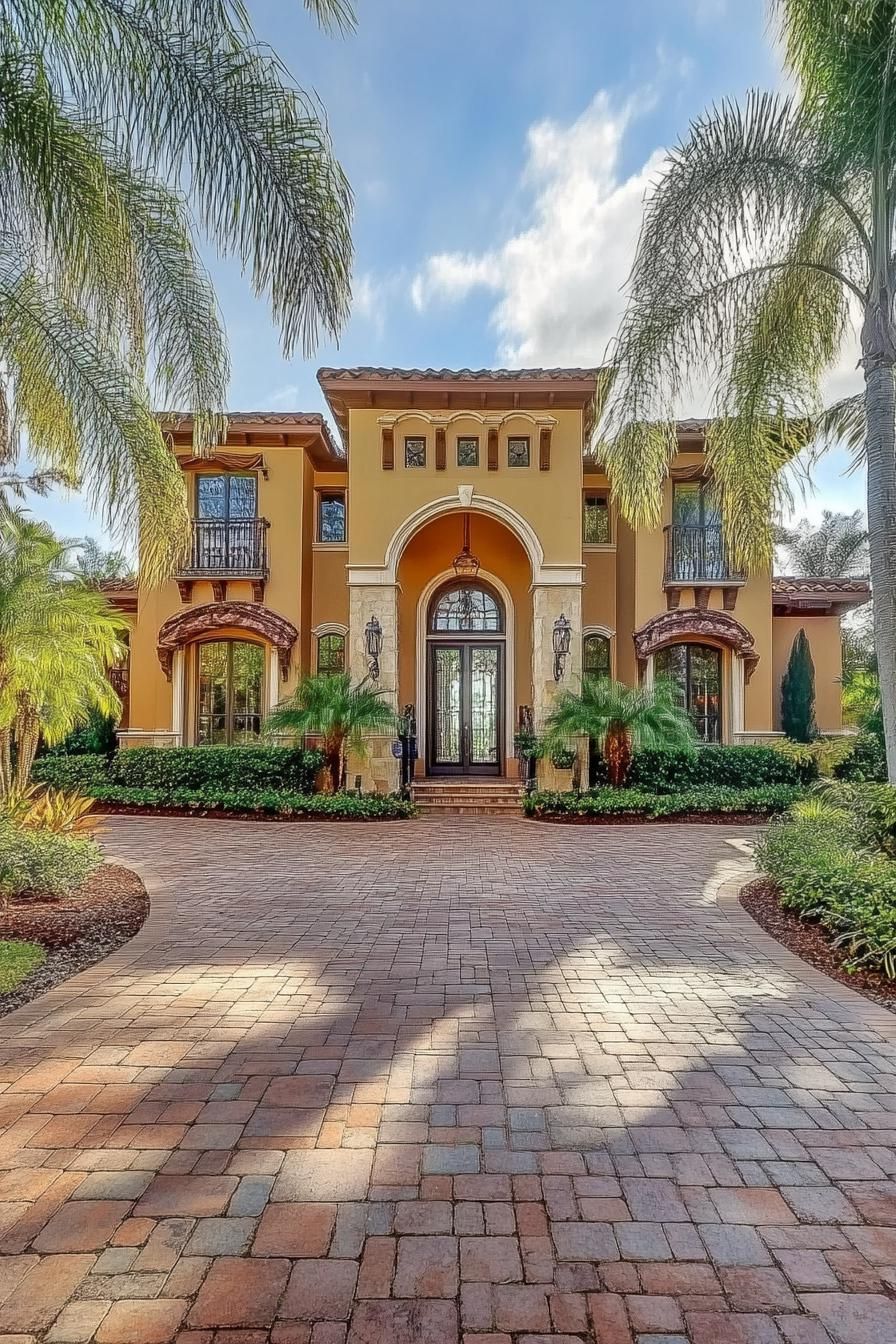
(465, 1080)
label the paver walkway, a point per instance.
(471, 1079)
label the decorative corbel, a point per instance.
(185, 588)
(219, 590)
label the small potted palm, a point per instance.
(620, 719)
(338, 713)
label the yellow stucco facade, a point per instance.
(303, 542)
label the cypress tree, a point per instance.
(798, 693)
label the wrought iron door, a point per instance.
(466, 693)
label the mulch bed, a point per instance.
(628, 819)
(809, 941)
(77, 930)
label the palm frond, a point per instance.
(88, 415)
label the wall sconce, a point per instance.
(562, 633)
(373, 642)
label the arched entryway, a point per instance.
(466, 689)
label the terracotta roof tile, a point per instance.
(456, 375)
(787, 583)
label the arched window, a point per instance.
(465, 609)
(231, 676)
(331, 654)
(596, 657)
(695, 671)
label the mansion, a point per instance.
(455, 541)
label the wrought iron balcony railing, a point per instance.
(235, 548)
(697, 555)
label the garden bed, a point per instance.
(77, 930)
(229, 814)
(639, 819)
(250, 804)
(807, 940)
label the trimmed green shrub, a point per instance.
(267, 802)
(97, 735)
(734, 767)
(712, 800)
(70, 772)
(826, 862)
(866, 762)
(225, 768)
(43, 862)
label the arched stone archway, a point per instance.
(696, 623)
(193, 623)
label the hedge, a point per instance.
(663, 771)
(263, 802)
(711, 800)
(43, 863)
(826, 867)
(227, 769)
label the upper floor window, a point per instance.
(226, 496)
(331, 516)
(595, 519)
(518, 452)
(415, 452)
(465, 609)
(468, 452)
(331, 654)
(596, 657)
(693, 505)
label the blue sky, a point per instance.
(499, 151)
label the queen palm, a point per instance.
(124, 126)
(337, 711)
(620, 719)
(58, 638)
(770, 233)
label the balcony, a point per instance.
(222, 549)
(697, 557)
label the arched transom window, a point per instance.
(596, 657)
(466, 609)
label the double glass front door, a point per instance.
(464, 713)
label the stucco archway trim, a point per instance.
(465, 501)
(191, 624)
(696, 623)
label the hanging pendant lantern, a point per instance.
(466, 564)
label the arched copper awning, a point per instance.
(693, 624)
(194, 622)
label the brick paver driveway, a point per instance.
(419, 1083)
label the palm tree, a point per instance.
(340, 713)
(121, 123)
(620, 719)
(771, 228)
(835, 548)
(58, 638)
(94, 564)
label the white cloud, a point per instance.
(559, 280)
(284, 396)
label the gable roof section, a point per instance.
(265, 429)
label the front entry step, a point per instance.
(489, 797)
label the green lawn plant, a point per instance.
(18, 960)
(620, 720)
(337, 711)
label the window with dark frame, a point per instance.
(468, 452)
(230, 685)
(695, 673)
(331, 516)
(596, 657)
(226, 497)
(415, 452)
(518, 452)
(331, 654)
(595, 519)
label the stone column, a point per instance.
(549, 602)
(378, 768)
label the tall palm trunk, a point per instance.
(618, 754)
(879, 361)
